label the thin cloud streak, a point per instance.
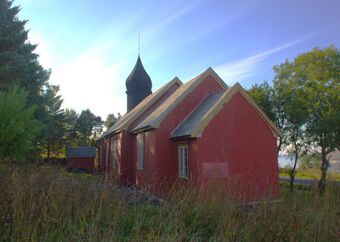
(238, 70)
(186, 38)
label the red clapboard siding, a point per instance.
(246, 146)
(81, 162)
(161, 165)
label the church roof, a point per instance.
(138, 78)
(185, 128)
(127, 119)
(196, 121)
(155, 118)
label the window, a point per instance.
(114, 152)
(140, 161)
(107, 155)
(100, 153)
(183, 160)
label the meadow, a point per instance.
(45, 203)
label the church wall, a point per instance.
(166, 149)
(147, 178)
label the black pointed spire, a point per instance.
(138, 85)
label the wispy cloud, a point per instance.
(185, 38)
(172, 18)
(238, 70)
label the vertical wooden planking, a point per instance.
(240, 137)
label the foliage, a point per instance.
(71, 134)
(293, 106)
(311, 82)
(304, 102)
(89, 127)
(263, 95)
(40, 204)
(271, 102)
(54, 130)
(310, 161)
(18, 63)
(18, 127)
(111, 119)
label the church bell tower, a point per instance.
(138, 85)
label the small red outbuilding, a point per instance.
(193, 133)
(81, 158)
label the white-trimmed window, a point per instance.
(114, 152)
(140, 151)
(183, 160)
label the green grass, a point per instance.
(47, 204)
(311, 173)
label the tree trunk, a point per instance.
(279, 146)
(324, 168)
(292, 173)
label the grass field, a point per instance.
(312, 173)
(47, 204)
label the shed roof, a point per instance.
(199, 119)
(155, 118)
(81, 152)
(127, 119)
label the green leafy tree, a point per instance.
(54, 130)
(315, 77)
(268, 99)
(18, 128)
(293, 108)
(89, 127)
(111, 119)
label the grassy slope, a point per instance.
(45, 203)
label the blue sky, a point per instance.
(92, 46)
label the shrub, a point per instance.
(18, 128)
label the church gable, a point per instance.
(156, 117)
(198, 120)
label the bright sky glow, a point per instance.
(92, 46)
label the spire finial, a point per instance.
(138, 43)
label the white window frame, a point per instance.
(140, 151)
(113, 152)
(183, 158)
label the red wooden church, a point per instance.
(194, 132)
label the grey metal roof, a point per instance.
(124, 122)
(156, 117)
(82, 151)
(185, 128)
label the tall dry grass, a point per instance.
(43, 205)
